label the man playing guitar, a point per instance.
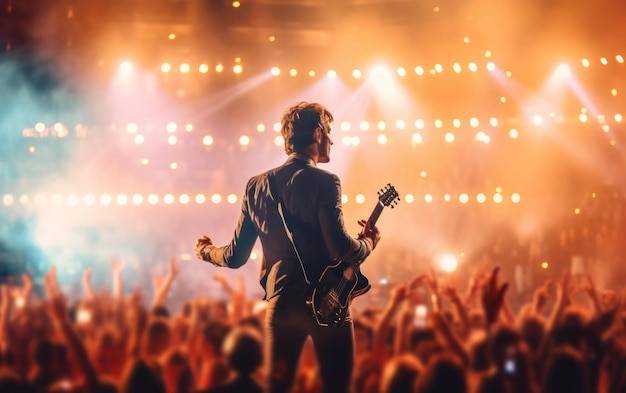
(296, 211)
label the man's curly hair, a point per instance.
(299, 123)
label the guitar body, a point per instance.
(342, 282)
(337, 286)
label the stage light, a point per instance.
(279, 140)
(438, 68)
(189, 127)
(293, 72)
(419, 124)
(331, 73)
(481, 198)
(260, 127)
(216, 198)
(359, 198)
(168, 199)
(582, 117)
(89, 199)
(619, 59)
(400, 124)
(356, 141)
(428, 198)
(203, 68)
(311, 73)
(448, 263)
(409, 198)
(382, 139)
(488, 54)
(73, 200)
(585, 63)
(466, 40)
(172, 140)
(447, 197)
(40, 127)
(184, 68)
(604, 61)
(231, 198)
(344, 198)
(474, 122)
(345, 126)
(31, 149)
(423, 174)
(171, 127)
(563, 71)
(381, 125)
(137, 199)
(364, 125)
(121, 199)
(357, 74)
(184, 199)
(131, 128)
(493, 121)
(515, 197)
(614, 92)
(237, 59)
(472, 67)
(417, 138)
(237, 69)
(8, 199)
(171, 36)
(618, 117)
(577, 211)
(605, 128)
(456, 67)
(126, 67)
(438, 123)
(23, 200)
(497, 197)
(219, 68)
(419, 70)
(244, 140)
(491, 66)
(105, 199)
(463, 198)
(401, 71)
(200, 199)
(139, 139)
(456, 123)
(166, 67)
(174, 165)
(513, 133)
(275, 71)
(153, 199)
(537, 120)
(545, 265)
(236, 4)
(272, 38)
(207, 140)
(277, 126)
(346, 140)
(449, 137)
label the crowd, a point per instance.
(431, 336)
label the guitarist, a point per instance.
(312, 210)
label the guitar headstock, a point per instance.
(388, 196)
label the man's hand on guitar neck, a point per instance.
(369, 232)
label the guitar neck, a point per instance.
(378, 209)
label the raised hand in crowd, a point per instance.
(492, 297)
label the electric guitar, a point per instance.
(342, 282)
